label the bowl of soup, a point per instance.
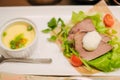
(18, 37)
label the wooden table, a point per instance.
(26, 3)
(62, 2)
(8, 76)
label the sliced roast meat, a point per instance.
(71, 37)
(84, 26)
(105, 38)
(101, 49)
(77, 33)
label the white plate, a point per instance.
(40, 16)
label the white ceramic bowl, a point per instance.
(21, 52)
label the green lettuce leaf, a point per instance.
(96, 19)
(76, 17)
(102, 63)
(98, 23)
(115, 59)
(111, 60)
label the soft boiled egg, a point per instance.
(91, 40)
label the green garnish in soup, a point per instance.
(18, 35)
(29, 28)
(18, 42)
(4, 34)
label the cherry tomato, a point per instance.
(108, 20)
(75, 61)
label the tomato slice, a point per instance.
(75, 61)
(108, 20)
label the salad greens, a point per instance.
(107, 62)
(96, 19)
(111, 60)
(62, 36)
(76, 17)
(52, 24)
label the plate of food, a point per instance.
(80, 40)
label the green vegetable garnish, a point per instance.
(29, 28)
(12, 42)
(46, 30)
(52, 24)
(52, 38)
(18, 42)
(13, 47)
(62, 22)
(4, 34)
(18, 37)
(76, 17)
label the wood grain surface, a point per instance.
(26, 2)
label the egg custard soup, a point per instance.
(18, 35)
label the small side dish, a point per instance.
(17, 35)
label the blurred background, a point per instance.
(53, 2)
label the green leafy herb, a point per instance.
(62, 22)
(29, 28)
(52, 38)
(76, 17)
(19, 37)
(12, 42)
(46, 30)
(64, 30)
(4, 34)
(18, 42)
(13, 47)
(52, 24)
